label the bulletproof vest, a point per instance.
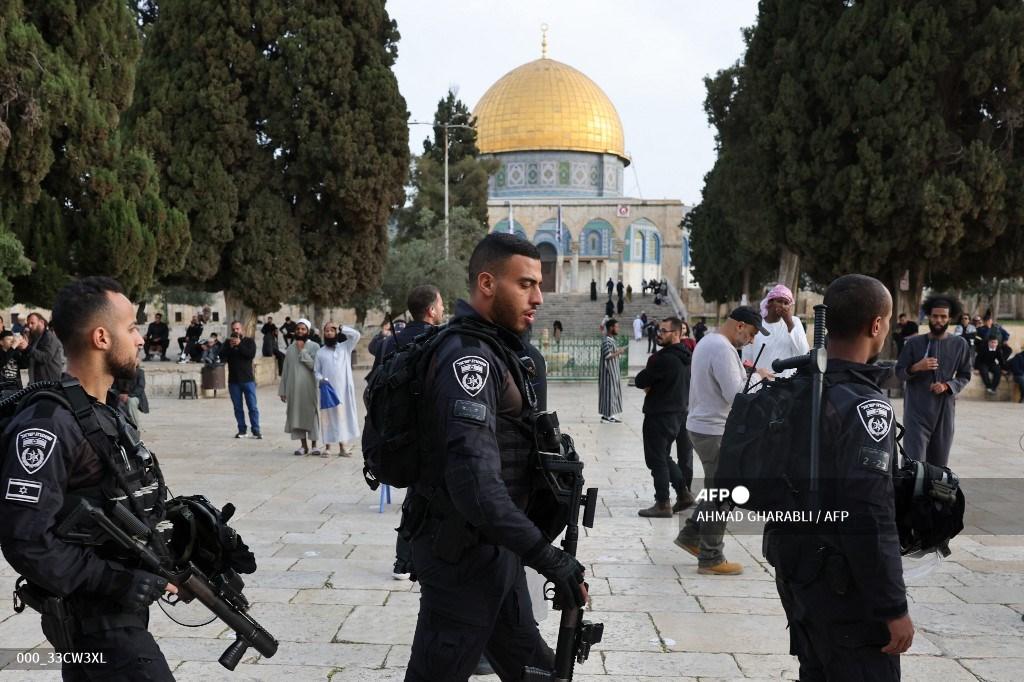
(132, 488)
(517, 443)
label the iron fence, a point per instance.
(578, 358)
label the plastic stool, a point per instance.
(385, 493)
(187, 389)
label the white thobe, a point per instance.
(638, 329)
(334, 365)
(782, 343)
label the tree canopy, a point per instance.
(884, 137)
(79, 199)
(281, 134)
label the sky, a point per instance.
(649, 56)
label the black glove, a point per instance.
(560, 568)
(134, 589)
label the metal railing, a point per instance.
(578, 358)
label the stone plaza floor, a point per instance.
(324, 586)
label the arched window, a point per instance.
(643, 242)
(502, 226)
(548, 231)
(596, 238)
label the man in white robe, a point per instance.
(298, 388)
(788, 337)
(340, 424)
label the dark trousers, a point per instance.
(162, 344)
(129, 654)
(652, 344)
(248, 392)
(851, 652)
(990, 375)
(684, 454)
(660, 431)
(1019, 378)
(477, 605)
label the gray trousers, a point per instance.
(707, 535)
(928, 434)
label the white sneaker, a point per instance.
(401, 576)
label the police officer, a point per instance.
(475, 538)
(841, 581)
(666, 381)
(52, 455)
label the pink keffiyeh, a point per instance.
(778, 291)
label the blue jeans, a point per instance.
(248, 390)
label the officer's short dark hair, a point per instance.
(496, 248)
(77, 306)
(943, 301)
(420, 299)
(674, 323)
(854, 301)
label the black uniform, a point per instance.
(468, 552)
(667, 375)
(48, 462)
(841, 581)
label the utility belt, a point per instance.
(435, 516)
(63, 618)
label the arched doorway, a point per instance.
(548, 266)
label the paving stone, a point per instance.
(722, 633)
(378, 625)
(996, 669)
(644, 603)
(342, 596)
(645, 586)
(301, 622)
(671, 664)
(214, 672)
(749, 605)
(932, 668)
(335, 654)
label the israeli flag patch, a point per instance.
(34, 447)
(23, 491)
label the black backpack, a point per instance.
(765, 434)
(395, 431)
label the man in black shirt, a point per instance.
(904, 330)
(700, 329)
(12, 360)
(238, 353)
(666, 381)
(158, 336)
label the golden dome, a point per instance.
(547, 105)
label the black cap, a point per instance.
(746, 314)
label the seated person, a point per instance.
(211, 352)
(158, 335)
(1015, 366)
(191, 339)
(990, 363)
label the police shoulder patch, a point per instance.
(472, 371)
(34, 448)
(876, 416)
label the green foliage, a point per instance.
(467, 173)
(881, 137)
(78, 198)
(279, 131)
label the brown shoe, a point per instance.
(692, 549)
(660, 510)
(724, 568)
(684, 501)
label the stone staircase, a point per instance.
(580, 316)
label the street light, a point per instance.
(445, 126)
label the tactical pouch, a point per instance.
(58, 622)
(414, 513)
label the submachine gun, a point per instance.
(555, 506)
(222, 594)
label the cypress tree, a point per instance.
(79, 200)
(281, 133)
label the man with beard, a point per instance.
(787, 338)
(45, 352)
(666, 382)
(935, 366)
(716, 376)
(473, 536)
(841, 583)
(333, 366)
(158, 336)
(298, 388)
(53, 453)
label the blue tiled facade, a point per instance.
(539, 174)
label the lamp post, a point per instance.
(444, 126)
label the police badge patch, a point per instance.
(472, 372)
(876, 416)
(34, 448)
